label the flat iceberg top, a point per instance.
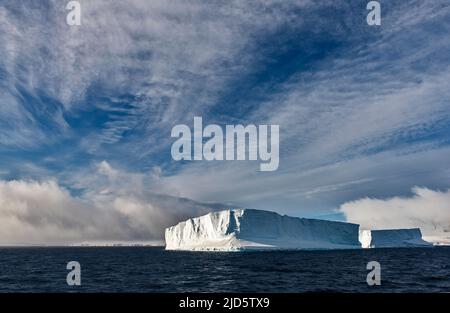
(388, 238)
(246, 229)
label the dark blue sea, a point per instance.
(150, 269)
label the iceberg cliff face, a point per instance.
(390, 238)
(245, 229)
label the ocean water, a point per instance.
(150, 269)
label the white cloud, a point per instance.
(427, 209)
(174, 56)
(43, 212)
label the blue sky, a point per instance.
(363, 111)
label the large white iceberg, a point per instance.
(245, 229)
(390, 238)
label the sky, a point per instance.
(86, 113)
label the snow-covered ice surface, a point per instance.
(246, 229)
(390, 238)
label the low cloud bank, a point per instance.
(116, 208)
(427, 209)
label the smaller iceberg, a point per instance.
(392, 238)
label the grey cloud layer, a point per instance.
(117, 208)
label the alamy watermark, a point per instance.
(374, 16)
(238, 142)
(374, 276)
(74, 276)
(73, 18)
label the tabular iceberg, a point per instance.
(246, 229)
(390, 238)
